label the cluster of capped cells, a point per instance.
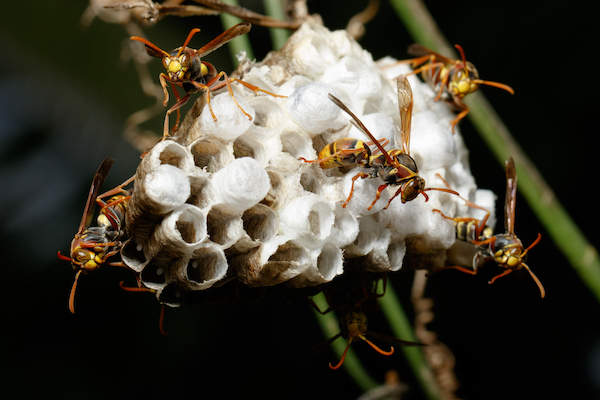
(230, 200)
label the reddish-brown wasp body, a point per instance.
(395, 168)
(455, 78)
(351, 295)
(506, 249)
(94, 245)
(185, 68)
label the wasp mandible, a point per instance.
(395, 168)
(506, 249)
(94, 245)
(456, 78)
(185, 68)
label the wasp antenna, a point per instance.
(495, 84)
(537, 281)
(536, 241)
(443, 190)
(151, 45)
(72, 295)
(187, 40)
(339, 364)
(377, 349)
(462, 53)
(61, 257)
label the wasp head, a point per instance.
(85, 260)
(509, 251)
(177, 64)
(353, 324)
(464, 80)
(412, 188)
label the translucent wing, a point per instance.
(361, 127)
(97, 182)
(416, 49)
(223, 38)
(405, 105)
(511, 196)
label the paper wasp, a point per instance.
(456, 78)
(395, 168)
(355, 291)
(94, 245)
(186, 69)
(506, 248)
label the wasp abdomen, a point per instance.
(345, 152)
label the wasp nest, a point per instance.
(229, 199)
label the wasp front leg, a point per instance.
(176, 107)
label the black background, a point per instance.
(64, 95)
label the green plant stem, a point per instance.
(330, 326)
(565, 233)
(274, 8)
(241, 43)
(391, 307)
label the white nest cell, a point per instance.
(234, 116)
(327, 263)
(272, 263)
(206, 267)
(210, 153)
(309, 219)
(309, 107)
(179, 232)
(241, 184)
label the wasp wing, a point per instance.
(361, 127)
(223, 38)
(419, 50)
(405, 106)
(511, 196)
(97, 182)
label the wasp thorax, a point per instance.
(229, 201)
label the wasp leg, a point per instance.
(361, 175)
(463, 113)
(508, 271)
(161, 318)
(378, 195)
(457, 267)
(255, 89)
(180, 103)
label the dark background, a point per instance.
(64, 96)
